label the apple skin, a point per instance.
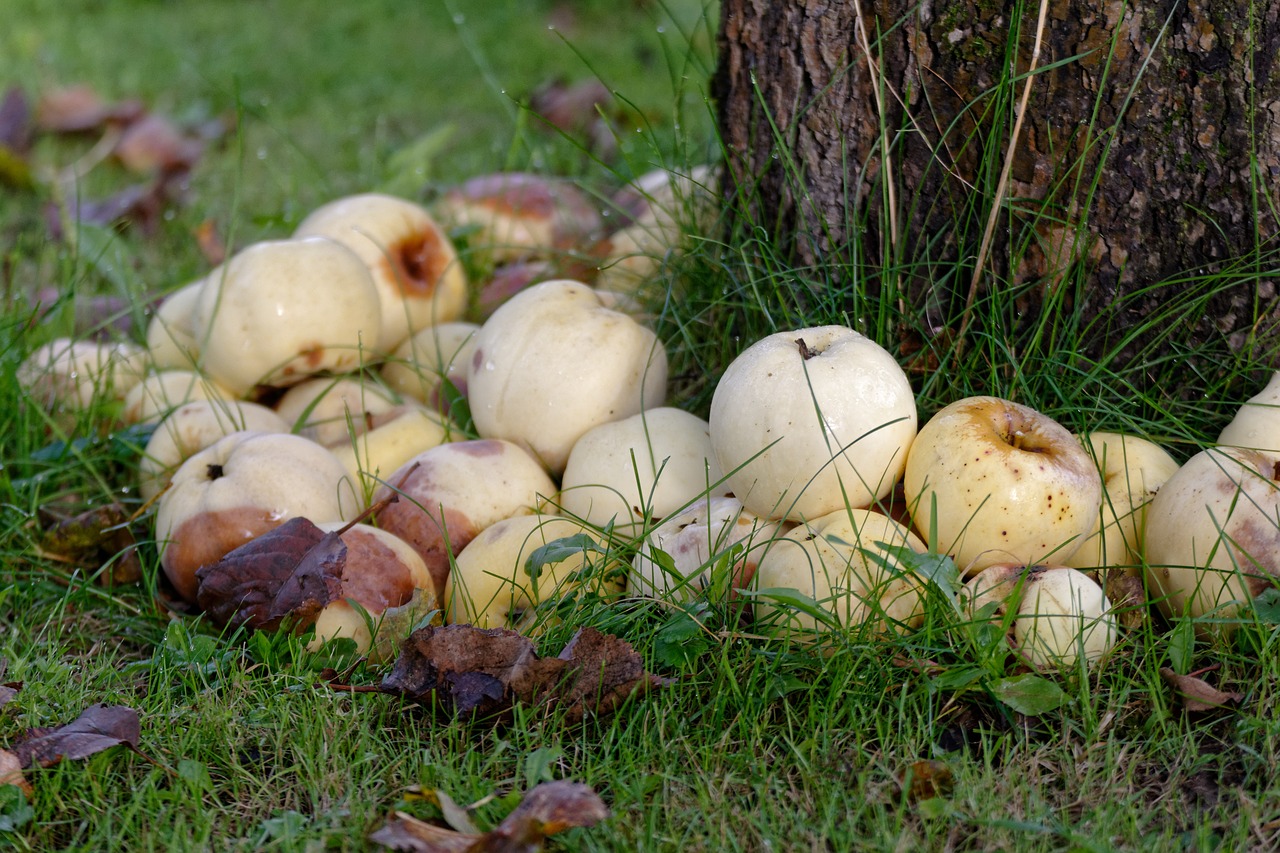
(68, 375)
(1132, 469)
(332, 411)
(420, 365)
(778, 453)
(282, 311)
(392, 439)
(490, 586)
(381, 571)
(694, 539)
(553, 362)
(411, 260)
(238, 488)
(1257, 423)
(1213, 537)
(1011, 484)
(1056, 613)
(171, 338)
(451, 492)
(824, 559)
(161, 392)
(639, 469)
(191, 428)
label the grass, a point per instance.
(759, 743)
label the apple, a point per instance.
(67, 375)
(695, 540)
(420, 366)
(413, 264)
(553, 362)
(1257, 423)
(191, 428)
(238, 488)
(667, 208)
(639, 469)
(381, 572)
(1132, 469)
(1213, 537)
(392, 439)
(492, 585)
(840, 562)
(810, 421)
(1057, 615)
(451, 492)
(1004, 483)
(171, 337)
(331, 411)
(517, 215)
(285, 310)
(163, 391)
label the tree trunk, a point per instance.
(1150, 147)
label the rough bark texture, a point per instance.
(1152, 137)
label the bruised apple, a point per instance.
(451, 492)
(239, 488)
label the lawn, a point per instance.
(933, 739)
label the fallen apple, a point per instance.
(1056, 615)
(811, 421)
(412, 262)
(171, 337)
(392, 439)
(285, 310)
(495, 584)
(67, 375)
(163, 391)
(1213, 537)
(421, 365)
(1003, 483)
(191, 428)
(553, 362)
(844, 565)
(1132, 469)
(451, 492)
(332, 411)
(638, 470)
(238, 488)
(678, 559)
(1256, 425)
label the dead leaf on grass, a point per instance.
(142, 205)
(483, 672)
(9, 689)
(926, 779)
(99, 727)
(11, 772)
(16, 131)
(210, 242)
(92, 539)
(548, 809)
(291, 571)
(80, 109)
(1197, 695)
(153, 143)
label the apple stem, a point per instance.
(805, 352)
(378, 507)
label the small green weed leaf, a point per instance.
(783, 684)
(796, 600)
(411, 167)
(1267, 606)
(1182, 645)
(196, 775)
(285, 825)
(1029, 694)
(15, 812)
(558, 551)
(539, 765)
(680, 642)
(957, 678)
(933, 808)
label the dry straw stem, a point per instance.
(989, 232)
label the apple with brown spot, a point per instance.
(392, 439)
(240, 487)
(412, 262)
(1003, 482)
(451, 492)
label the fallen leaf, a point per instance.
(1196, 694)
(154, 144)
(92, 539)
(15, 138)
(926, 779)
(210, 243)
(142, 205)
(79, 109)
(9, 689)
(99, 727)
(1128, 599)
(291, 571)
(548, 809)
(482, 672)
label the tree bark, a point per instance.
(1149, 151)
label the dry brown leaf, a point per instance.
(99, 727)
(11, 772)
(603, 671)
(142, 205)
(926, 779)
(154, 144)
(9, 689)
(210, 242)
(548, 809)
(1197, 695)
(94, 537)
(78, 109)
(292, 571)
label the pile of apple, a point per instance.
(315, 376)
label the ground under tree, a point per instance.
(1149, 149)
